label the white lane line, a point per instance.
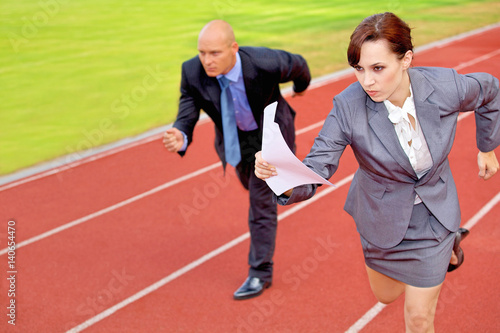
(481, 213)
(367, 317)
(199, 261)
(377, 308)
(68, 162)
(477, 60)
(113, 207)
(158, 284)
(447, 41)
(309, 128)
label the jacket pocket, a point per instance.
(370, 186)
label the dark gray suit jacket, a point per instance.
(263, 70)
(382, 192)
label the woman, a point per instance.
(400, 123)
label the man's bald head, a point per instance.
(218, 29)
(217, 48)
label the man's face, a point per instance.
(216, 54)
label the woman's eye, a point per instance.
(378, 68)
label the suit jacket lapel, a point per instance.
(429, 118)
(427, 113)
(211, 90)
(384, 129)
(250, 80)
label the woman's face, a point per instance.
(381, 74)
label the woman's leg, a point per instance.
(385, 289)
(420, 303)
(420, 308)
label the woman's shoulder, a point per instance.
(432, 73)
(353, 90)
(352, 94)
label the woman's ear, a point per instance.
(407, 59)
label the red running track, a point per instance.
(140, 240)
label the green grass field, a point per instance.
(79, 74)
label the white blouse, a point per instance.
(412, 140)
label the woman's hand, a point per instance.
(263, 170)
(488, 164)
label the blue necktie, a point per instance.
(231, 141)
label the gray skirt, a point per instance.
(422, 257)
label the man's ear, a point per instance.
(234, 47)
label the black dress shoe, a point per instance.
(252, 287)
(459, 236)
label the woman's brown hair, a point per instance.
(377, 27)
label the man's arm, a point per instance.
(180, 135)
(294, 68)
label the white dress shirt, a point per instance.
(412, 140)
(243, 113)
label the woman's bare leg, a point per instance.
(420, 303)
(385, 289)
(420, 308)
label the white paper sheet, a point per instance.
(291, 171)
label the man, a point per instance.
(252, 76)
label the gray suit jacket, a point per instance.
(263, 71)
(382, 192)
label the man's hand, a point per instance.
(173, 140)
(488, 164)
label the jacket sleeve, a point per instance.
(189, 110)
(480, 92)
(293, 67)
(328, 147)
